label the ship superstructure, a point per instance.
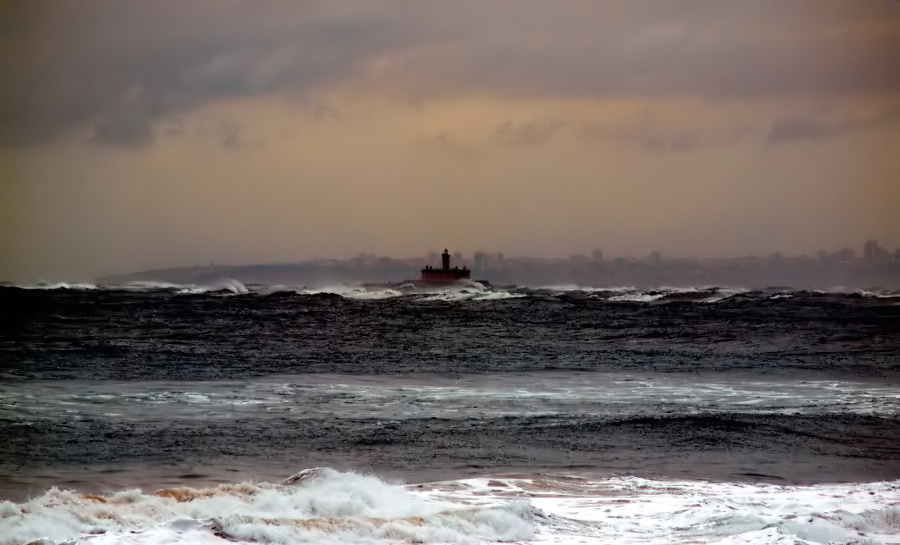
(444, 275)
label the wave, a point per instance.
(456, 292)
(474, 291)
(224, 284)
(321, 505)
(326, 506)
(477, 292)
(56, 286)
(876, 294)
(352, 292)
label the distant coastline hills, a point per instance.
(872, 268)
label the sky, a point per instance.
(138, 135)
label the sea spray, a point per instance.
(321, 505)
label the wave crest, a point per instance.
(321, 505)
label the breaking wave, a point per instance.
(474, 291)
(320, 505)
(57, 286)
(326, 506)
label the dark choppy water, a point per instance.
(153, 386)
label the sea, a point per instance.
(151, 413)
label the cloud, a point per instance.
(66, 67)
(651, 134)
(532, 133)
(649, 139)
(122, 132)
(791, 129)
(71, 66)
(234, 137)
(809, 127)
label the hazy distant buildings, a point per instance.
(874, 267)
(873, 253)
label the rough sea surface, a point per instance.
(153, 413)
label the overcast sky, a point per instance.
(159, 133)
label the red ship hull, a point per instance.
(432, 277)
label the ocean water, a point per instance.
(230, 413)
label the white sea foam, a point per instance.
(326, 506)
(322, 506)
(466, 292)
(58, 286)
(638, 297)
(564, 288)
(345, 396)
(496, 295)
(458, 292)
(869, 293)
(721, 294)
(222, 284)
(353, 292)
(879, 294)
(148, 285)
(629, 510)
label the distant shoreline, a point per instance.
(823, 271)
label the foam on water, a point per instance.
(545, 393)
(564, 288)
(637, 297)
(352, 292)
(58, 286)
(721, 294)
(326, 506)
(463, 291)
(629, 510)
(320, 505)
(221, 284)
(472, 290)
(224, 284)
(149, 285)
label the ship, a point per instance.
(444, 275)
(431, 277)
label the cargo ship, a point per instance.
(434, 277)
(444, 275)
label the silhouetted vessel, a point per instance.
(444, 275)
(432, 277)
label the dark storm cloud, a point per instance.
(114, 68)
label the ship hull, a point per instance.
(432, 278)
(425, 284)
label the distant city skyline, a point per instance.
(160, 134)
(870, 250)
(872, 268)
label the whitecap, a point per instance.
(324, 506)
